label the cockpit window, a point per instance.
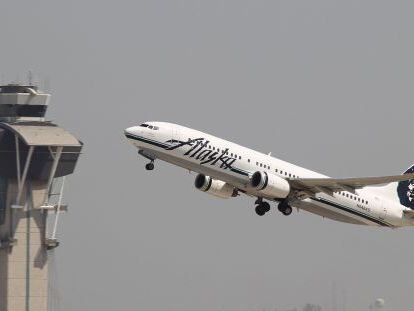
(151, 127)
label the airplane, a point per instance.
(226, 170)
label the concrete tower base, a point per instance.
(23, 266)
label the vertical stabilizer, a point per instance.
(405, 190)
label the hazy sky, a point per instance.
(324, 84)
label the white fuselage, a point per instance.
(234, 164)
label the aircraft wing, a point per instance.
(330, 185)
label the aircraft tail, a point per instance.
(402, 192)
(405, 190)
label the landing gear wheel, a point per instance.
(285, 208)
(288, 210)
(259, 210)
(262, 208)
(149, 166)
(266, 206)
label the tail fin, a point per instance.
(401, 192)
(405, 190)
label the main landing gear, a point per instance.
(285, 208)
(263, 207)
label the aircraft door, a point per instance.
(175, 133)
(381, 208)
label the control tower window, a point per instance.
(23, 110)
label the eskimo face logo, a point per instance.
(405, 191)
(199, 150)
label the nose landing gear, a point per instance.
(149, 166)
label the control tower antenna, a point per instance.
(30, 78)
(334, 305)
(36, 155)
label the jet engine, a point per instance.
(215, 187)
(270, 185)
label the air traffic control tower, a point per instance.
(35, 157)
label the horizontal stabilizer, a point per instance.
(409, 213)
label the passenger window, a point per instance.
(248, 160)
(276, 170)
(239, 157)
(290, 175)
(150, 127)
(156, 128)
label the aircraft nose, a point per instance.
(130, 130)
